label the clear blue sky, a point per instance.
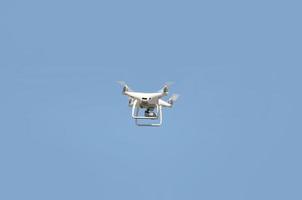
(65, 128)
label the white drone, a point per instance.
(148, 101)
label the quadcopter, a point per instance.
(149, 102)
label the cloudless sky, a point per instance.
(66, 130)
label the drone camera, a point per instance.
(150, 114)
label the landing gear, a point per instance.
(149, 115)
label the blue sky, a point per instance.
(66, 130)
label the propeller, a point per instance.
(166, 87)
(173, 98)
(125, 86)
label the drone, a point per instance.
(149, 102)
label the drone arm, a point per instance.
(128, 94)
(164, 103)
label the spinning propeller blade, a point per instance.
(125, 86)
(173, 98)
(166, 87)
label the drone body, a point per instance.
(149, 102)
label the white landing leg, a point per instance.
(160, 116)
